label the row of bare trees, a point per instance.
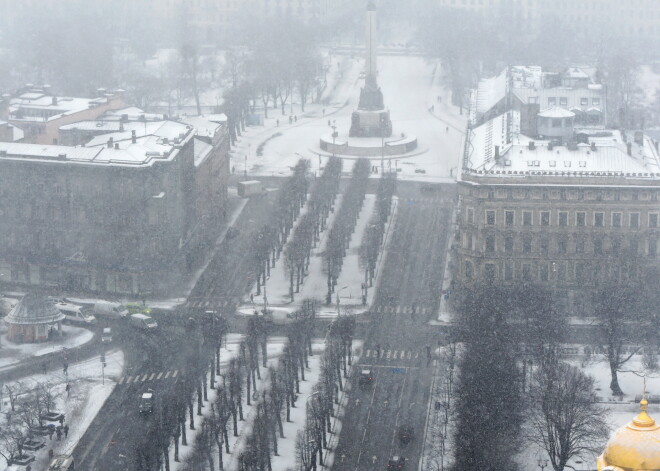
(312, 223)
(27, 409)
(313, 438)
(372, 240)
(274, 234)
(343, 227)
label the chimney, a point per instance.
(551, 145)
(110, 143)
(639, 138)
(532, 145)
(117, 146)
(121, 127)
(593, 147)
(497, 152)
(629, 145)
(54, 101)
(133, 136)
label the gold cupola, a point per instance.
(635, 447)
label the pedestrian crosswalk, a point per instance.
(153, 376)
(209, 303)
(390, 354)
(421, 310)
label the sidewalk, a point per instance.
(445, 315)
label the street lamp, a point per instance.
(542, 464)
(339, 291)
(382, 154)
(334, 136)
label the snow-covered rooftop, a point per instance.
(517, 158)
(491, 91)
(34, 309)
(39, 106)
(159, 143)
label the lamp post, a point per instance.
(339, 291)
(382, 154)
(542, 464)
(334, 137)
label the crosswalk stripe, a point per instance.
(144, 378)
(368, 353)
(159, 375)
(167, 375)
(176, 372)
(396, 354)
(388, 354)
(121, 381)
(128, 380)
(152, 376)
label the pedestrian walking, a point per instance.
(59, 434)
(290, 119)
(61, 420)
(29, 468)
(252, 298)
(432, 108)
(44, 367)
(51, 453)
(51, 431)
(323, 111)
(65, 368)
(447, 129)
(68, 389)
(295, 118)
(277, 122)
(66, 431)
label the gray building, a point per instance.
(127, 213)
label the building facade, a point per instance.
(564, 214)
(128, 213)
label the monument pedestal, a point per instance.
(368, 123)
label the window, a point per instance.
(584, 101)
(616, 246)
(634, 246)
(579, 245)
(490, 244)
(527, 218)
(489, 271)
(653, 247)
(580, 272)
(598, 219)
(491, 195)
(544, 245)
(509, 218)
(562, 244)
(634, 220)
(563, 101)
(468, 270)
(595, 101)
(561, 272)
(552, 101)
(544, 272)
(526, 271)
(508, 271)
(490, 218)
(653, 220)
(527, 244)
(508, 244)
(598, 246)
(616, 219)
(563, 218)
(545, 218)
(580, 219)
(468, 241)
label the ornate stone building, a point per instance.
(567, 210)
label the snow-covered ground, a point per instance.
(13, 353)
(619, 412)
(90, 387)
(411, 86)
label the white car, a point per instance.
(75, 314)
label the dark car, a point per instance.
(396, 462)
(147, 402)
(366, 377)
(406, 434)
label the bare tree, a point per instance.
(565, 419)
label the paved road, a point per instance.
(395, 348)
(120, 438)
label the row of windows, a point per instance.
(561, 245)
(563, 194)
(562, 218)
(553, 271)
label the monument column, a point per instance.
(371, 69)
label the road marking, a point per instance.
(416, 355)
(159, 375)
(145, 377)
(129, 379)
(368, 353)
(409, 354)
(152, 376)
(167, 375)
(399, 309)
(176, 372)
(396, 354)
(121, 381)
(388, 354)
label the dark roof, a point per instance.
(34, 309)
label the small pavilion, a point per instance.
(33, 319)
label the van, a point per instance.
(147, 402)
(142, 321)
(110, 310)
(106, 335)
(74, 314)
(62, 463)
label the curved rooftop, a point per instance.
(34, 309)
(556, 112)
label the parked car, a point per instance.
(110, 310)
(147, 402)
(143, 322)
(406, 434)
(420, 170)
(106, 335)
(138, 308)
(396, 462)
(74, 314)
(62, 463)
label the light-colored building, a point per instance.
(33, 319)
(129, 212)
(566, 212)
(40, 115)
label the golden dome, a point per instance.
(635, 447)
